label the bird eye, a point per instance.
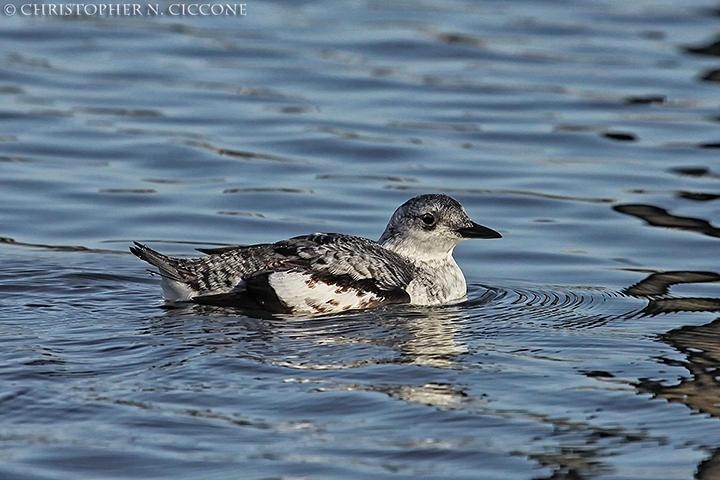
(428, 219)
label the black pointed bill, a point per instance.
(478, 231)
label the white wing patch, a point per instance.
(302, 294)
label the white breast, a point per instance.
(437, 283)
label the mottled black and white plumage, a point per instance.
(329, 272)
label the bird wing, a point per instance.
(336, 258)
(242, 273)
(320, 273)
(218, 272)
(325, 254)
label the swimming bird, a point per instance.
(412, 263)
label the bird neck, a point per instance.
(419, 253)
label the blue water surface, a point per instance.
(586, 132)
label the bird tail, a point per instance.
(175, 278)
